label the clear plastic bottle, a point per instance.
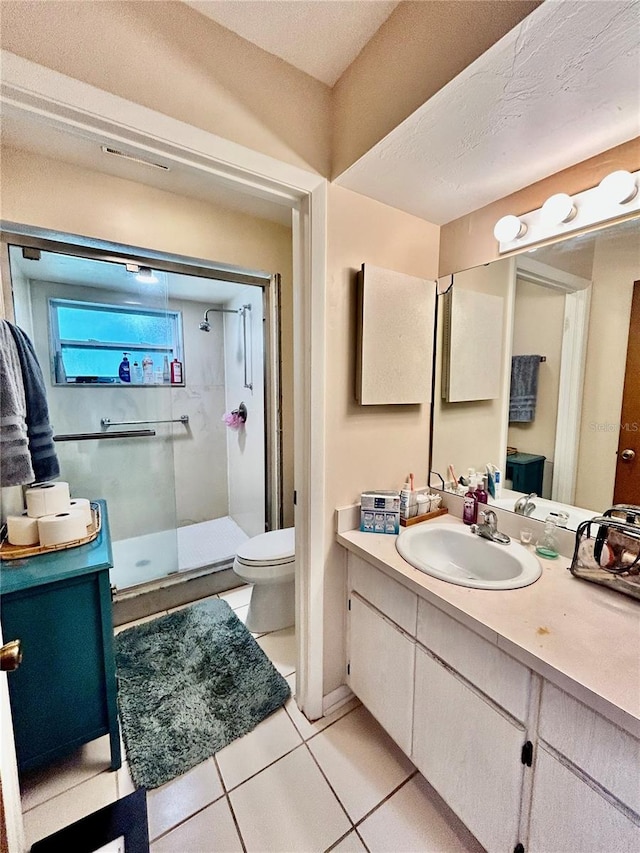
(547, 545)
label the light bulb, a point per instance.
(509, 228)
(557, 209)
(618, 187)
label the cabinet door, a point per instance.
(381, 664)
(567, 814)
(58, 694)
(470, 752)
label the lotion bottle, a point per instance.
(124, 371)
(470, 507)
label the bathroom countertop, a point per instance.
(582, 637)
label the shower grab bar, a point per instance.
(107, 422)
(96, 436)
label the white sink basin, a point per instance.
(457, 555)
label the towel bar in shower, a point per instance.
(107, 422)
(97, 436)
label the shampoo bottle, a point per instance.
(470, 506)
(147, 370)
(124, 371)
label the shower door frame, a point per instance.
(36, 238)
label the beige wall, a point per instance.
(172, 59)
(469, 241)
(616, 265)
(537, 328)
(366, 446)
(56, 196)
(467, 435)
(418, 50)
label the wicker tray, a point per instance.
(19, 552)
(417, 519)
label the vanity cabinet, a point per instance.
(590, 767)
(523, 764)
(64, 692)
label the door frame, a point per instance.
(575, 333)
(76, 107)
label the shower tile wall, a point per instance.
(246, 447)
(135, 476)
(200, 452)
(151, 484)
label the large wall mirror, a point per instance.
(576, 305)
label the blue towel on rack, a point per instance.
(524, 388)
(39, 432)
(16, 468)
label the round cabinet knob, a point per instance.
(628, 455)
(10, 656)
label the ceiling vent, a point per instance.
(115, 153)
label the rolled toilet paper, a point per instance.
(62, 527)
(47, 499)
(22, 530)
(85, 506)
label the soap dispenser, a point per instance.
(548, 543)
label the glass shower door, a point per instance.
(105, 340)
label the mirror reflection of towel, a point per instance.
(524, 388)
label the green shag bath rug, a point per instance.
(189, 683)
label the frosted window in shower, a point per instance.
(87, 340)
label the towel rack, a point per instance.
(96, 436)
(107, 422)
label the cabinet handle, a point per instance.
(10, 656)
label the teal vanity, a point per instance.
(64, 692)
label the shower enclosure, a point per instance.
(172, 418)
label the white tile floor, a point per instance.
(289, 786)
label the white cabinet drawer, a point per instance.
(567, 815)
(606, 753)
(496, 674)
(393, 599)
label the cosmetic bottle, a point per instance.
(470, 506)
(481, 491)
(166, 374)
(147, 370)
(124, 371)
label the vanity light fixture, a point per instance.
(557, 209)
(615, 196)
(509, 228)
(618, 187)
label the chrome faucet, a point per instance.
(524, 505)
(489, 528)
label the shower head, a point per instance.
(205, 326)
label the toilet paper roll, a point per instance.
(85, 506)
(22, 530)
(62, 527)
(47, 499)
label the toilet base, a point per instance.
(272, 607)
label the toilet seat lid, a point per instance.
(276, 546)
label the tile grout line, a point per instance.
(230, 805)
(359, 822)
(324, 776)
(325, 728)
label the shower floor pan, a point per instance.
(197, 549)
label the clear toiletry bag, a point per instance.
(607, 550)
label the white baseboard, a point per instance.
(334, 700)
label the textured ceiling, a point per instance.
(562, 86)
(322, 37)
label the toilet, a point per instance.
(268, 561)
